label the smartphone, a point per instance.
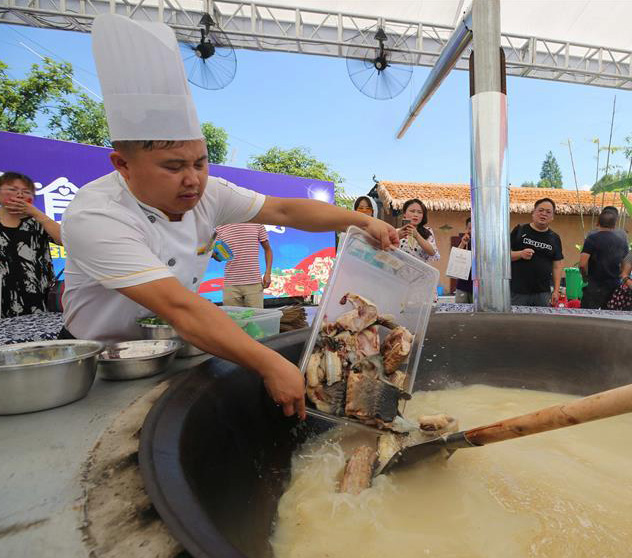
(405, 222)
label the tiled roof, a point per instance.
(456, 197)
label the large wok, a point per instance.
(215, 453)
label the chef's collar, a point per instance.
(148, 209)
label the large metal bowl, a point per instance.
(45, 374)
(163, 331)
(132, 360)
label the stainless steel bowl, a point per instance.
(162, 331)
(132, 360)
(45, 374)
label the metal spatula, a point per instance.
(609, 403)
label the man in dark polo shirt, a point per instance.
(600, 262)
(536, 259)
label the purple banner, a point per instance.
(301, 260)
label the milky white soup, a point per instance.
(566, 493)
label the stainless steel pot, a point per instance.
(163, 331)
(45, 374)
(143, 359)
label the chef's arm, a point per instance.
(203, 324)
(583, 264)
(317, 216)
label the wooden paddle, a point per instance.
(606, 404)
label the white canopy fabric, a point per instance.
(604, 23)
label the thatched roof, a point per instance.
(456, 197)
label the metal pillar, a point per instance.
(491, 265)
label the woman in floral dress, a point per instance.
(26, 268)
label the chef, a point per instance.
(139, 238)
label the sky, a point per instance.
(289, 100)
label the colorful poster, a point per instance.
(302, 260)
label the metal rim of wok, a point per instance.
(92, 348)
(213, 500)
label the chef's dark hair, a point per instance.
(10, 176)
(421, 227)
(127, 146)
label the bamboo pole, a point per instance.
(579, 202)
(614, 104)
(592, 213)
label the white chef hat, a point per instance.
(144, 86)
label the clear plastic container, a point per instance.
(262, 323)
(396, 282)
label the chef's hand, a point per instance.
(384, 233)
(527, 253)
(286, 386)
(266, 280)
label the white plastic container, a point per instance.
(396, 282)
(263, 323)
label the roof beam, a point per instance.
(264, 26)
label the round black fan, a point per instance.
(209, 60)
(382, 71)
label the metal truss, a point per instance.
(259, 26)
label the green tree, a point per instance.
(550, 175)
(216, 143)
(80, 119)
(299, 161)
(608, 181)
(21, 100)
(529, 184)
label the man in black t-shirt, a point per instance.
(600, 262)
(536, 258)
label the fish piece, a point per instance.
(399, 379)
(438, 424)
(396, 348)
(358, 471)
(367, 342)
(369, 397)
(332, 366)
(386, 320)
(328, 399)
(399, 425)
(346, 345)
(314, 372)
(363, 315)
(388, 444)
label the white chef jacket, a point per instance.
(114, 241)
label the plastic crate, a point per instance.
(262, 323)
(396, 282)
